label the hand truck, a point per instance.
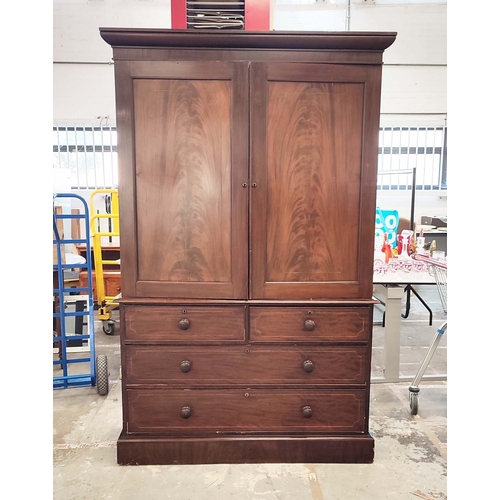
(105, 302)
(67, 361)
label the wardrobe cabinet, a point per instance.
(247, 179)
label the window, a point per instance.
(90, 155)
(405, 148)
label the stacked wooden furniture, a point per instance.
(111, 273)
(247, 210)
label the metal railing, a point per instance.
(406, 148)
(89, 152)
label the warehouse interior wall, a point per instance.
(414, 73)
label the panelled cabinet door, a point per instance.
(314, 140)
(183, 169)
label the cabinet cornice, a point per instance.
(303, 40)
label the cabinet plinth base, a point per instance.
(161, 450)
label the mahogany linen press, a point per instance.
(247, 183)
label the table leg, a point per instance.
(392, 296)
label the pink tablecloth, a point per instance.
(401, 270)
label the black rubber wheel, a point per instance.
(108, 328)
(414, 402)
(102, 375)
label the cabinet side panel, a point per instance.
(126, 185)
(183, 167)
(314, 162)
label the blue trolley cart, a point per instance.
(73, 368)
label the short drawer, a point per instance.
(246, 365)
(245, 411)
(314, 324)
(184, 323)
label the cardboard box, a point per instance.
(60, 230)
(434, 220)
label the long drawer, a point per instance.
(245, 411)
(184, 324)
(310, 324)
(246, 365)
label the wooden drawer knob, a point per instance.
(309, 325)
(184, 324)
(307, 412)
(185, 366)
(186, 412)
(308, 366)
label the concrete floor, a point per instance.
(410, 451)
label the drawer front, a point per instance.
(314, 324)
(246, 365)
(246, 410)
(184, 323)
